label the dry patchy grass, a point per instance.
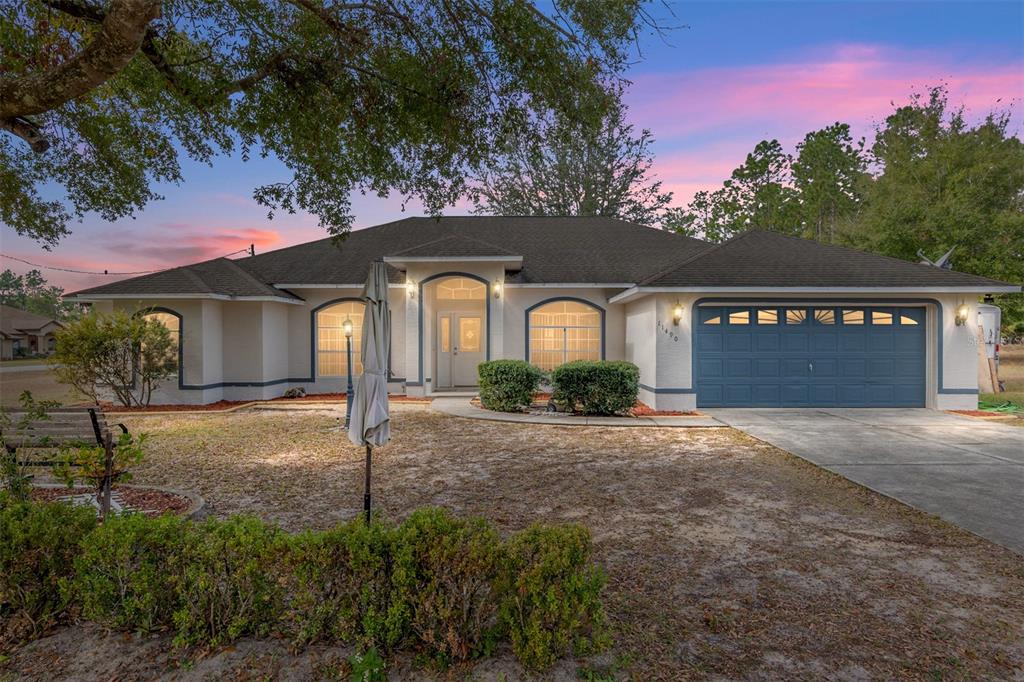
(726, 557)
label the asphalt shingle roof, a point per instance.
(14, 321)
(555, 250)
(760, 258)
(218, 276)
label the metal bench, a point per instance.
(63, 427)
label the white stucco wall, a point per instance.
(268, 345)
(956, 369)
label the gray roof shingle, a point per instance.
(555, 250)
(218, 276)
(760, 258)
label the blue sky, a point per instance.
(738, 72)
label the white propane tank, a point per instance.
(990, 319)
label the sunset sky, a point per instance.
(737, 73)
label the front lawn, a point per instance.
(725, 556)
(1011, 373)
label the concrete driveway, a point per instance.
(968, 471)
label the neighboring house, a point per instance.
(761, 320)
(25, 333)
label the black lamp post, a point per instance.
(347, 326)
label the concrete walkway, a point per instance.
(461, 407)
(967, 471)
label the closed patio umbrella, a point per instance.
(371, 423)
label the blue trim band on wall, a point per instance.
(555, 299)
(487, 316)
(835, 300)
(676, 391)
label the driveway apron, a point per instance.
(967, 471)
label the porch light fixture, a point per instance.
(347, 326)
(962, 312)
(677, 313)
(410, 286)
(497, 289)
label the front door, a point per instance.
(459, 349)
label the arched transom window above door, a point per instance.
(461, 289)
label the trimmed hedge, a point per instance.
(508, 385)
(38, 545)
(445, 588)
(602, 387)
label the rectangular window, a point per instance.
(796, 316)
(446, 335)
(881, 317)
(824, 316)
(767, 316)
(853, 317)
(469, 334)
(739, 317)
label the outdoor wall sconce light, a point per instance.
(497, 290)
(962, 312)
(677, 314)
(410, 286)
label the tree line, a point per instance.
(929, 181)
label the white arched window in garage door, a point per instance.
(564, 331)
(331, 359)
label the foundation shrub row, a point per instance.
(444, 588)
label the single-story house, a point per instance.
(25, 333)
(761, 320)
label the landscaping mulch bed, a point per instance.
(144, 500)
(726, 558)
(540, 406)
(222, 405)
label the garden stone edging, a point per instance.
(461, 407)
(197, 510)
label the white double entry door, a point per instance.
(460, 348)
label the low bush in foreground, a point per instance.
(445, 588)
(603, 387)
(38, 545)
(508, 385)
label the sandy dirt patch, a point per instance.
(726, 557)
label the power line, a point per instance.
(251, 250)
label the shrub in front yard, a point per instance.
(342, 589)
(445, 587)
(445, 569)
(125, 576)
(551, 595)
(229, 583)
(603, 387)
(508, 385)
(38, 546)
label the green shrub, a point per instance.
(38, 546)
(445, 569)
(508, 385)
(228, 585)
(551, 591)
(125, 575)
(342, 587)
(605, 387)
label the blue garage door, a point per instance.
(793, 356)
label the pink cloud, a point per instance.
(853, 83)
(706, 121)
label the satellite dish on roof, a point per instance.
(941, 262)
